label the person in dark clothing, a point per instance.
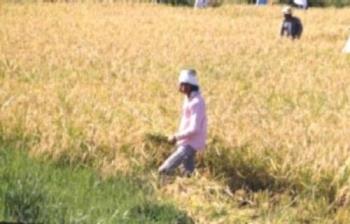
(291, 25)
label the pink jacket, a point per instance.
(193, 125)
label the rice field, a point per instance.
(97, 84)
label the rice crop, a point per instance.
(97, 84)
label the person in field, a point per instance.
(303, 4)
(192, 132)
(200, 4)
(291, 25)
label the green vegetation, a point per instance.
(35, 192)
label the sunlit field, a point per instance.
(96, 84)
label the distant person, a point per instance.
(192, 133)
(201, 3)
(261, 2)
(301, 3)
(291, 25)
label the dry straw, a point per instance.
(88, 82)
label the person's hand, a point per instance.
(172, 139)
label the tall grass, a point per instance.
(92, 83)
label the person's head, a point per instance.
(188, 81)
(287, 12)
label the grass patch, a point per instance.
(37, 192)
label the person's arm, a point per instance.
(300, 31)
(296, 28)
(197, 115)
(282, 29)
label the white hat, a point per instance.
(188, 76)
(287, 10)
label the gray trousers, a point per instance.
(183, 154)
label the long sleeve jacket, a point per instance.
(193, 125)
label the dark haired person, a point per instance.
(291, 25)
(192, 132)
